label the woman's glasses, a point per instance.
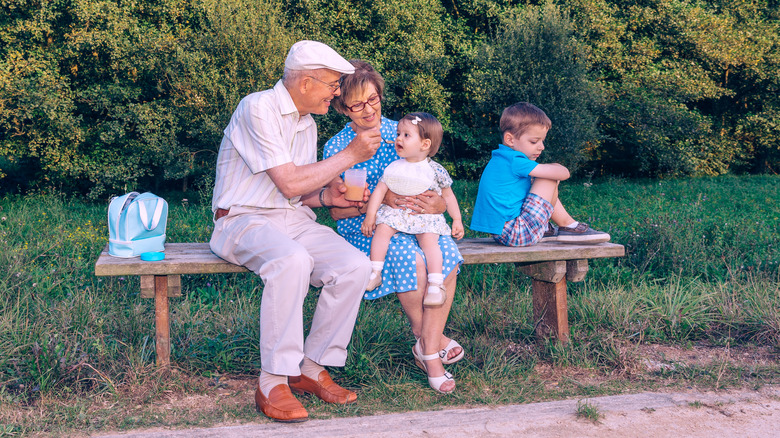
(358, 107)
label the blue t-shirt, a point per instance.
(502, 189)
(400, 270)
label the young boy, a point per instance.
(517, 196)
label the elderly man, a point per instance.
(267, 179)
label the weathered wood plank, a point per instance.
(180, 258)
(485, 250)
(197, 258)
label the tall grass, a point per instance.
(701, 266)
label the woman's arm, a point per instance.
(454, 211)
(425, 203)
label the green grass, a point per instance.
(588, 411)
(702, 267)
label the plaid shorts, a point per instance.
(528, 228)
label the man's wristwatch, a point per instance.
(322, 198)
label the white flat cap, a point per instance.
(310, 55)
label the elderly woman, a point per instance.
(405, 272)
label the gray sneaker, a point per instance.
(551, 234)
(582, 233)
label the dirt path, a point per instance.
(742, 414)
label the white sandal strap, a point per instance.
(443, 378)
(431, 356)
(438, 381)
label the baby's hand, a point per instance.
(457, 229)
(368, 226)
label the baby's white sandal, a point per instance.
(435, 296)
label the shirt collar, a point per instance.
(287, 106)
(507, 150)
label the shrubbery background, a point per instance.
(99, 96)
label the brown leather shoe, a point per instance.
(324, 388)
(280, 405)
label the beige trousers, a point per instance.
(290, 251)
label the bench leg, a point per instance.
(162, 322)
(551, 309)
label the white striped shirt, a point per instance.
(265, 131)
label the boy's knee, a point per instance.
(545, 188)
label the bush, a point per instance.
(535, 58)
(682, 79)
(100, 96)
(114, 96)
(405, 41)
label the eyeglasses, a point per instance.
(358, 107)
(333, 87)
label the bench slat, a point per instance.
(486, 250)
(197, 258)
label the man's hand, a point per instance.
(334, 195)
(364, 145)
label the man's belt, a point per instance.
(221, 212)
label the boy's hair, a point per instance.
(357, 82)
(517, 118)
(429, 128)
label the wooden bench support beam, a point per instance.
(162, 322)
(576, 270)
(551, 312)
(148, 286)
(551, 272)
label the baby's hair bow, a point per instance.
(416, 119)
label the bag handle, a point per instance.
(155, 219)
(130, 197)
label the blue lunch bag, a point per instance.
(136, 224)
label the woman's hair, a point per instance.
(357, 82)
(517, 118)
(429, 128)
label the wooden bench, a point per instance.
(550, 265)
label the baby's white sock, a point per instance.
(573, 224)
(436, 278)
(376, 266)
(269, 381)
(311, 369)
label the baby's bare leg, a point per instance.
(381, 241)
(429, 243)
(435, 295)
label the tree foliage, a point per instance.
(535, 58)
(102, 96)
(681, 77)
